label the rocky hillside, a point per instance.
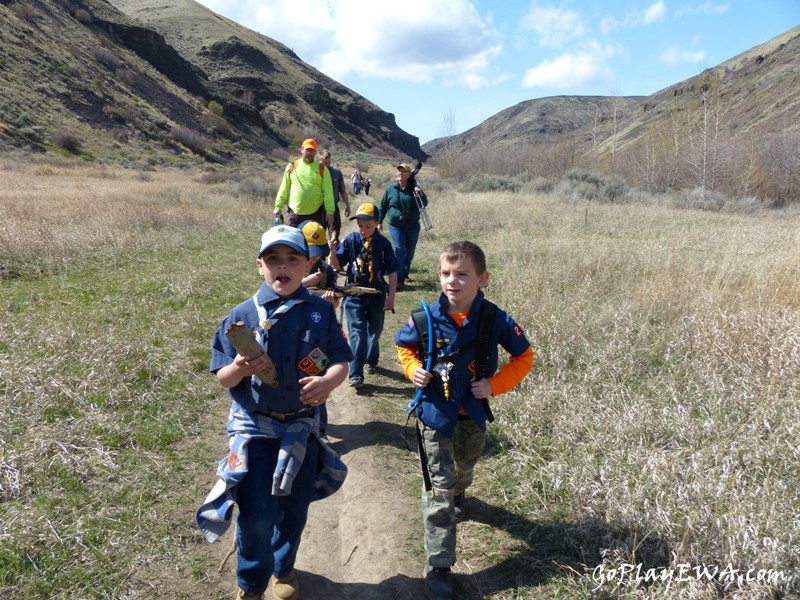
(142, 82)
(752, 96)
(542, 119)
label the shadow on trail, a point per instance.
(551, 550)
(398, 587)
(373, 433)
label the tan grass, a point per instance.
(665, 397)
(659, 425)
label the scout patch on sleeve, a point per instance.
(314, 363)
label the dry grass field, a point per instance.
(654, 452)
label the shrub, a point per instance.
(481, 182)
(279, 154)
(67, 140)
(701, 198)
(214, 177)
(106, 57)
(248, 97)
(541, 185)
(83, 16)
(24, 12)
(216, 124)
(119, 134)
(192, 140)
(579, 175)
(215, 107)
(255, 188)
(612, 188)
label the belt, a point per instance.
(290, 416)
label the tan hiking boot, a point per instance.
(242, 595)
(286, 588)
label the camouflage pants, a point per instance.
(451, 463)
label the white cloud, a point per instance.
(572, 70)
(608, 25)
(676, 56)
(553, 26)
(655, 12)
(704, 8)
(415, 41)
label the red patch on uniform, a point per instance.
(518, 330)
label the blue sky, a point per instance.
(443, 66)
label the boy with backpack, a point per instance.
(449, 351)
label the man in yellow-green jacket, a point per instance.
(307, 189)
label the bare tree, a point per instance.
(447, 149)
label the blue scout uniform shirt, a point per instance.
(384, 260)
(304, 328)
(433, 409)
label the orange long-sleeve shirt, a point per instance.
(507, 377)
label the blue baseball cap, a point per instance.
(286, 236)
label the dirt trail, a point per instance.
(356, 543)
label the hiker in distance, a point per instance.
(454, 384)
(306, 189)
(399, 205)
(276, 393)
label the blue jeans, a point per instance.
(269, 527)
(365, 316)
(404, 240)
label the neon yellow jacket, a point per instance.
(304, 189)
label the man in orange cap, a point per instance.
(307, 189)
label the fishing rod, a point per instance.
(423, 213)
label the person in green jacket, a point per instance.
(400, 206)
(307, 189)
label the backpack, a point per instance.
(485, 326)
(292, 166)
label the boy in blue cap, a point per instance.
(453, 406)
(272, 469)
(366, 256)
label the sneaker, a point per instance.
(437, 583)
(356, 382)
(242, 595)
(458, 505)
(371, 369)
(286, 588)
(323, 435)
